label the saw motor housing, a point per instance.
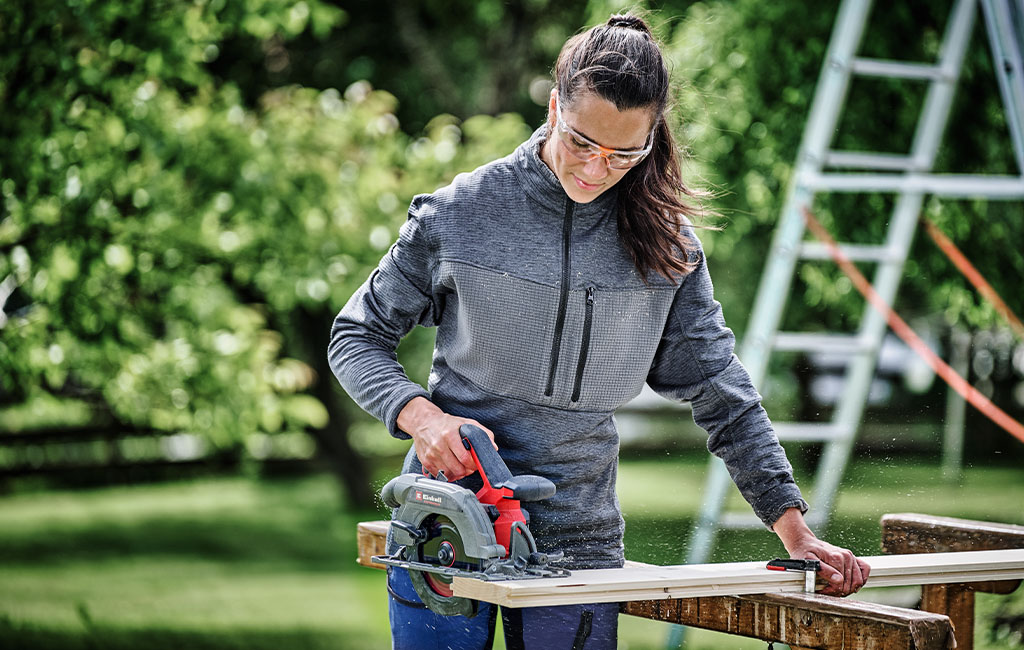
(490, 541)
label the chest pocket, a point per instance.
(495, 329)
(618, 334)
(500, 332)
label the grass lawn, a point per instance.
(243, 563)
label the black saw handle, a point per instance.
(525, 487)
(491, 464)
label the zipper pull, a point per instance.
(590, 295)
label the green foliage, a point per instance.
(180, 218)
(457, 56)
(748, 71)
(171, 247)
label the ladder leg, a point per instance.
(1005, 25)
(715, 491)
(829, 93)
(702, 540)
(862, 370)
(956, 408)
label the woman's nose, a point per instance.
(596, 167)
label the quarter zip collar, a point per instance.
(541, 184)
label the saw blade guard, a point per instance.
(419, 497)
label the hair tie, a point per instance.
(630, 22)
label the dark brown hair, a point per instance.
(621, 62)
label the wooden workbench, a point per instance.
(915, 533)
(800, 620)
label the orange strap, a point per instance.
(900, 327)
(972, 274)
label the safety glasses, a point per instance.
(586, 149)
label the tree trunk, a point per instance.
(333, 443)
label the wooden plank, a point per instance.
(914, 533)
(371, 538)
(805, 621)
(636, 580)
(734, 578)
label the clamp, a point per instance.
(809, 567)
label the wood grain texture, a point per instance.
(956, 602)
(805, 621)
(371, 538)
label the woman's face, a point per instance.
(599, 121)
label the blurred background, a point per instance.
(190, 191)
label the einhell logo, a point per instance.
(426, 497)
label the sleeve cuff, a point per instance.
(770, 512)
(398, 402)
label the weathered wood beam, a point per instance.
(913, 533)
(801, 620)
(804, 621)
(956, 602)
(916, 533)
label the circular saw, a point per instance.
(445, 530)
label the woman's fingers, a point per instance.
(832, 571)
(845, 573)
(849, 569)
(856, 576)
(440, 448)
(436, 438)
(464, 463)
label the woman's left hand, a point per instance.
(843, 571)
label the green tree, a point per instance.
(462, 57)
(186, 199)
(176, 256)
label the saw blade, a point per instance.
(444, 547)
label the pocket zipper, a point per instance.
(563, 297)
(588, 321)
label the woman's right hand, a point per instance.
(435, 434)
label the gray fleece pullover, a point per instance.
(544, 328)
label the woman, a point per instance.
(561, 278)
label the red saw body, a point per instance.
(444, 530)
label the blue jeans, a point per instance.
(565, 627)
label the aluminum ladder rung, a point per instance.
(993, 187)
(899, 69)
(748, 521)
(815, 250)
(810, 431)
(849, 344)
(868, 160)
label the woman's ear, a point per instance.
(552, 101)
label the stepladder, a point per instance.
(907, 178)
